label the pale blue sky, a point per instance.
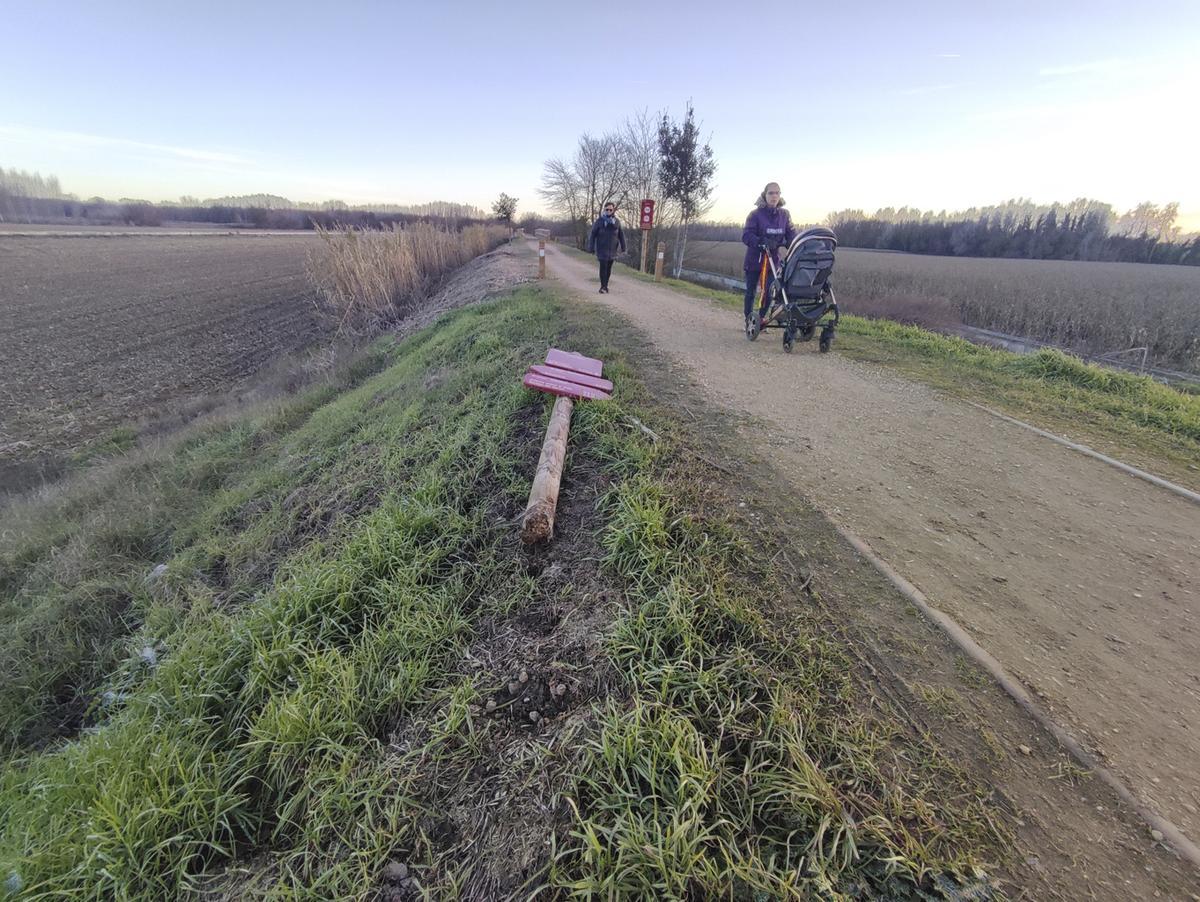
(934, 105)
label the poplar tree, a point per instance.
(685, 174)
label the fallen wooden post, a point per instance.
(538, 523)
(569, 376)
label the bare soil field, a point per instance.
(1093, 308)
(102, 332)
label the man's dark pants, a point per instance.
(605, 272)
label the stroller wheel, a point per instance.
(789, 340)
(752, 327)
(826, 340)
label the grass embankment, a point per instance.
(1134, 417)
(350, 676)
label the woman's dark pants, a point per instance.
(752, 289)
(605, 272)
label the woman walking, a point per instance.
(768, 227)
(605, 238)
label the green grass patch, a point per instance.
(325, 675)
(1148, 423)
(219, 509)
(116, 441)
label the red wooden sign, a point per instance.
(553, 372)
(570, 375)
(647, 221)
(576, 363)
(561, 387)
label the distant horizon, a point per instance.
(1185, 230)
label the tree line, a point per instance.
(30, 197)
(1084, 229)
(19, 183)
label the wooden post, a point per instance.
(538, 522)
(658, 261)
(541, 258)
(645, 245)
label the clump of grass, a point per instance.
(116, 441)
(372, 278)
(1138, 400)
(76, 566)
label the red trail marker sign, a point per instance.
(647, 221)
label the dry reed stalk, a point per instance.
(370, 278)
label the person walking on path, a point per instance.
(768, 227)
(604, 240)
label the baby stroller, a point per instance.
(800, 298)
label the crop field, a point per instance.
(99, 332)
(1093, 308)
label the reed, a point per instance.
(367, 279)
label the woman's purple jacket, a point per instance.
(771, 226)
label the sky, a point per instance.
(936, 105)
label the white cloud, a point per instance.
(1108, 65)
(56, 139)
(925, 89)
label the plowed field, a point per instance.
(100, 332)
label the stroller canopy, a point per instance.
(809, 263)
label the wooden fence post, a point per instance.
(658, 261)
(541, 258)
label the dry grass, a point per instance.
(1092, 308)
(370, 278)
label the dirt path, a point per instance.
(1082, 581)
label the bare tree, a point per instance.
(1150, 220)
(580, 187)
(562, 191)
(639, 156)
(640, 165)
(598, 168)
(630, 164)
